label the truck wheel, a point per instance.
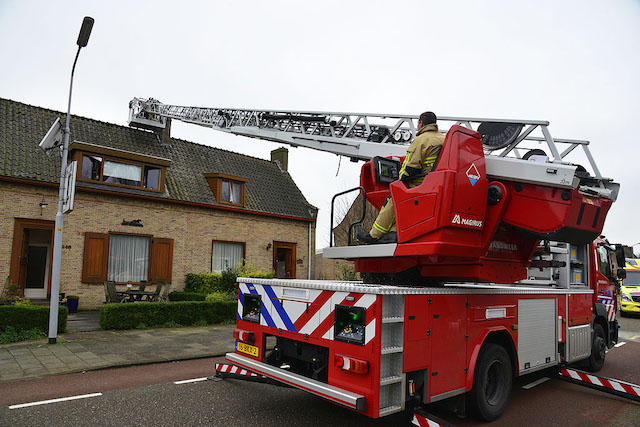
(491, 383)
(596, 360)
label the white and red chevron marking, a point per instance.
(608, 303)
(313, 316)
(617, 385)
(232, 369)
(420, 421)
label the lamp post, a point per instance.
(83, 39)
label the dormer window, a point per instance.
(227, 189)
(231, 192)
(120, 168)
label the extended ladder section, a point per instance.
(363, 136)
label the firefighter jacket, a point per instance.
(423, 153)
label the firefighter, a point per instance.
(422, 156)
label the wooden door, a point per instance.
(284, 260)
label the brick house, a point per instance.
(147, 207)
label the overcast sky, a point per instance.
(573, 63)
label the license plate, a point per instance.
(248, 349)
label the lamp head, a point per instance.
(85, 31)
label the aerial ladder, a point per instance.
(478, 216)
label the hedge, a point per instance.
(25, 317)
(153, 314)
(207, 283)
(186, 296)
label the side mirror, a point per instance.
(620, 255)
(621, 273)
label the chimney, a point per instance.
(280, 156)
(165, 134)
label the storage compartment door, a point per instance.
(537, 333)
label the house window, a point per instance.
(131, 170)
(226, 255)
(227, 189)
(151, 178)
(91, 167)
(121, 173)
(128, 258)
(231, 192)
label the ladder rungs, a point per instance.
(392, 319)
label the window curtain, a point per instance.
(236, 192)
(122, 171)
(128, 258)
(225, 256)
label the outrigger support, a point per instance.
(224, 370)
(607, 385)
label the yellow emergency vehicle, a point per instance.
(630, 289)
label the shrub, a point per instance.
(204, 283)
(27, 317)
(157, 314)
(10, 334)
(347, 273)
(186, 296)
(208, 283)
(220, 296)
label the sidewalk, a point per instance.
(97, 349)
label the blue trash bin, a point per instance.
(72, 304)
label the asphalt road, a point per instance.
(147, 395)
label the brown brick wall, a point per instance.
(192, 228)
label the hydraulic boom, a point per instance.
(478, 216)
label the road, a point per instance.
(147, 395)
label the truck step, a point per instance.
(389, 410)
(390, 380)
(389, 350)
(392, 319)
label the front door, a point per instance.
(31, 257)
(284, 260)
(36, 271)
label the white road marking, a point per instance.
(61, 399)
(195, 380)
(535, 383)
(620, 344)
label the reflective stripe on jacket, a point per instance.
(423, 152)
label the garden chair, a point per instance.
(164, 295)
(156, 294)
(111, 294)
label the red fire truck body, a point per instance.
(497, 271)
(372, 347)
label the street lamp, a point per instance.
(83, 39)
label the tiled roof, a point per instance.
(268, 189)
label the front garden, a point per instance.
(209, 298)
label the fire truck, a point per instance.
(499, 269)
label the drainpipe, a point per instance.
(309, 273)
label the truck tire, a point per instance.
(598, 347)
(491, 383)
